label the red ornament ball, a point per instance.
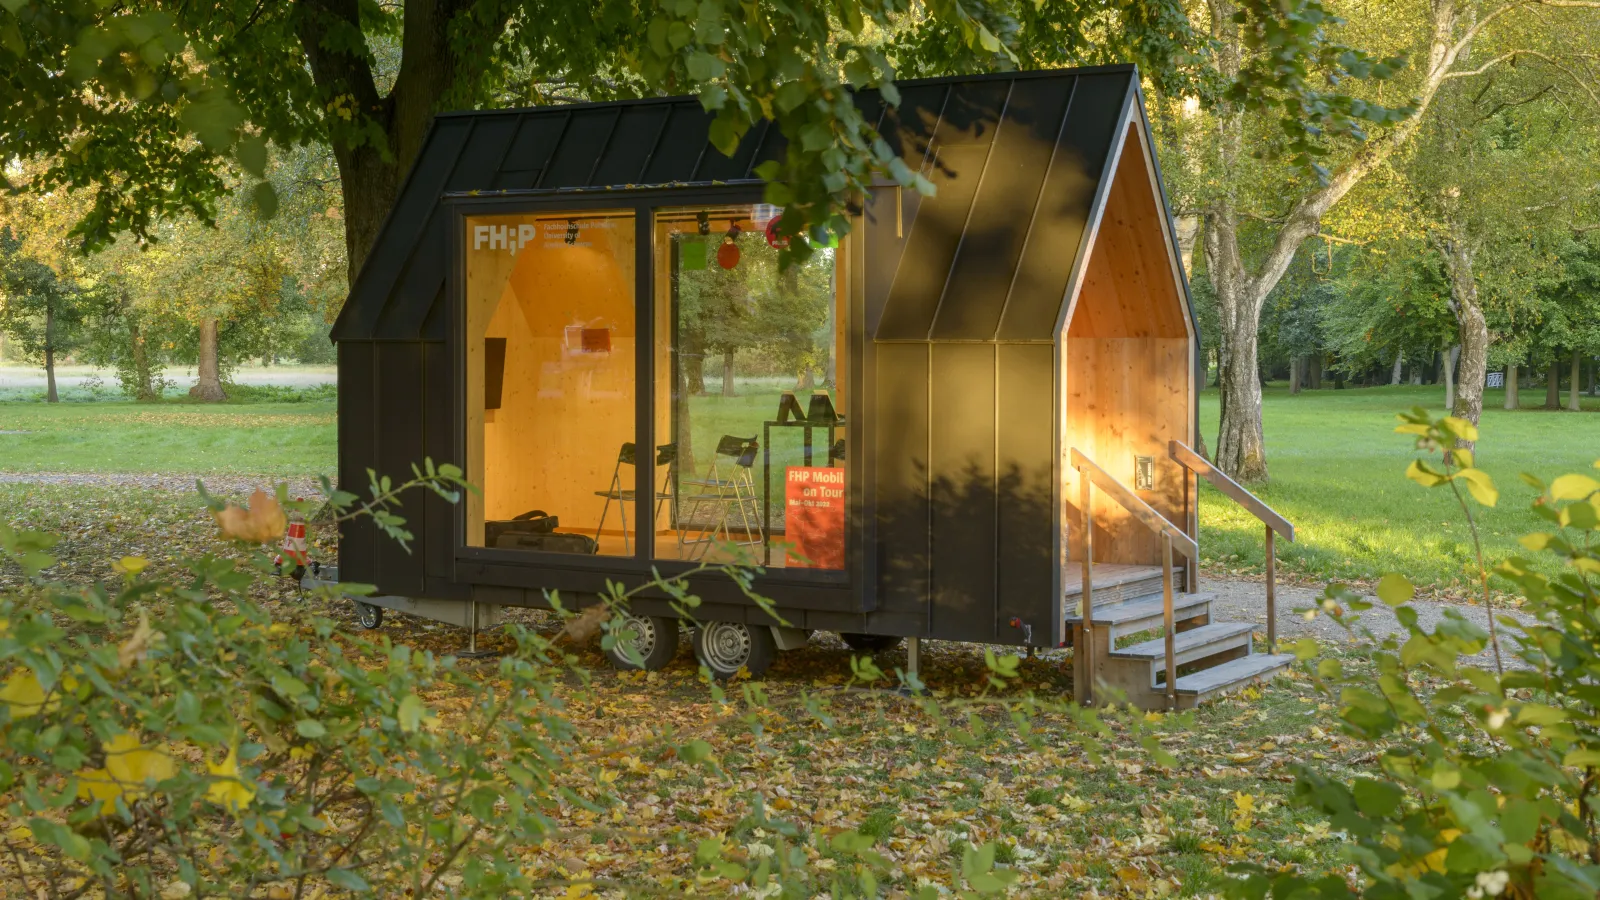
(775, 240)
(728, 255)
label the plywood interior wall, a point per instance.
(565, 411)
(1129, 366)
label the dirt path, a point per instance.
(1246, 601)
(219, 485)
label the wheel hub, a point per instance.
(644, 630)
(726, 645)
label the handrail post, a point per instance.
(1086, 518)
(1167, 619)
(1272, 591)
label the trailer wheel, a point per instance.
(368, 615)
(869, 643)
(726, 647)
(655, 641)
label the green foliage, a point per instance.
(167, 731)
(42, 312)
(1486, 781)
(182, 88)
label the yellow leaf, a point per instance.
(25, 695)
(263, 521)
(229, 791)
(1573, 487)
(97, 784)
(1422, 476)
(1481, 486)
(132, 763)
(133, 649)
(130, 565)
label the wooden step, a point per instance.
(1114, 583)
(1205, 684)
(1145, 612)
(1188, 646)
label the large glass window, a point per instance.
(750, 393)
(551, 374)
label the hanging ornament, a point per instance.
(728, 253)
(774, 240)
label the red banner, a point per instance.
(814, 516)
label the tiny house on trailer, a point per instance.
(581, 306)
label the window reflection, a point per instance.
(750, 392)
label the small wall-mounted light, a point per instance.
(704, 220)
(1144, 473)
(572, 231)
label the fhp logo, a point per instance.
(503, 237)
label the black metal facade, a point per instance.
(959, 299)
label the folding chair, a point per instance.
(727, 492)
(666, 455)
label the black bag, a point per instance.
(536, 530)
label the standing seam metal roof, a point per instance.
(1017, 160)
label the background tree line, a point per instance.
(187, 293)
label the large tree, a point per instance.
(141, 101)
(1260, 212)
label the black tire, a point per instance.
(369, 616)
(727, 647)
(869, 643)
(655, 641)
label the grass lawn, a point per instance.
(168, 438)
(1338, 469)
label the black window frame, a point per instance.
(832, 590)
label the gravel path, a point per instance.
(1246, 601)
(219, 485)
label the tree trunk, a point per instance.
(143, 387)
(1447, 361)
(433, 64)
(209, 386)
(1316, 371)
(1399, 365)
(1577, 381)
(1294, 374)
(727, 374)
(1241, 292)
(50, 395)
(1512, 400)
(1552, 383)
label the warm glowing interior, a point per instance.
(558, 289)
(1128, 364)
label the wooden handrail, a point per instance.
(1219, 479)
(1135, 506)
(1171, 537)
(1275, 524)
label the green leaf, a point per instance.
(348, 880)
(252, 155)
(265, 200)
(310, 728)
(1540, 714)
(704, 67)
(1377, 799)
(410, 713)
(1395, 589)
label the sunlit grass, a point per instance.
(1338, 473)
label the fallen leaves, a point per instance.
(263, 521)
